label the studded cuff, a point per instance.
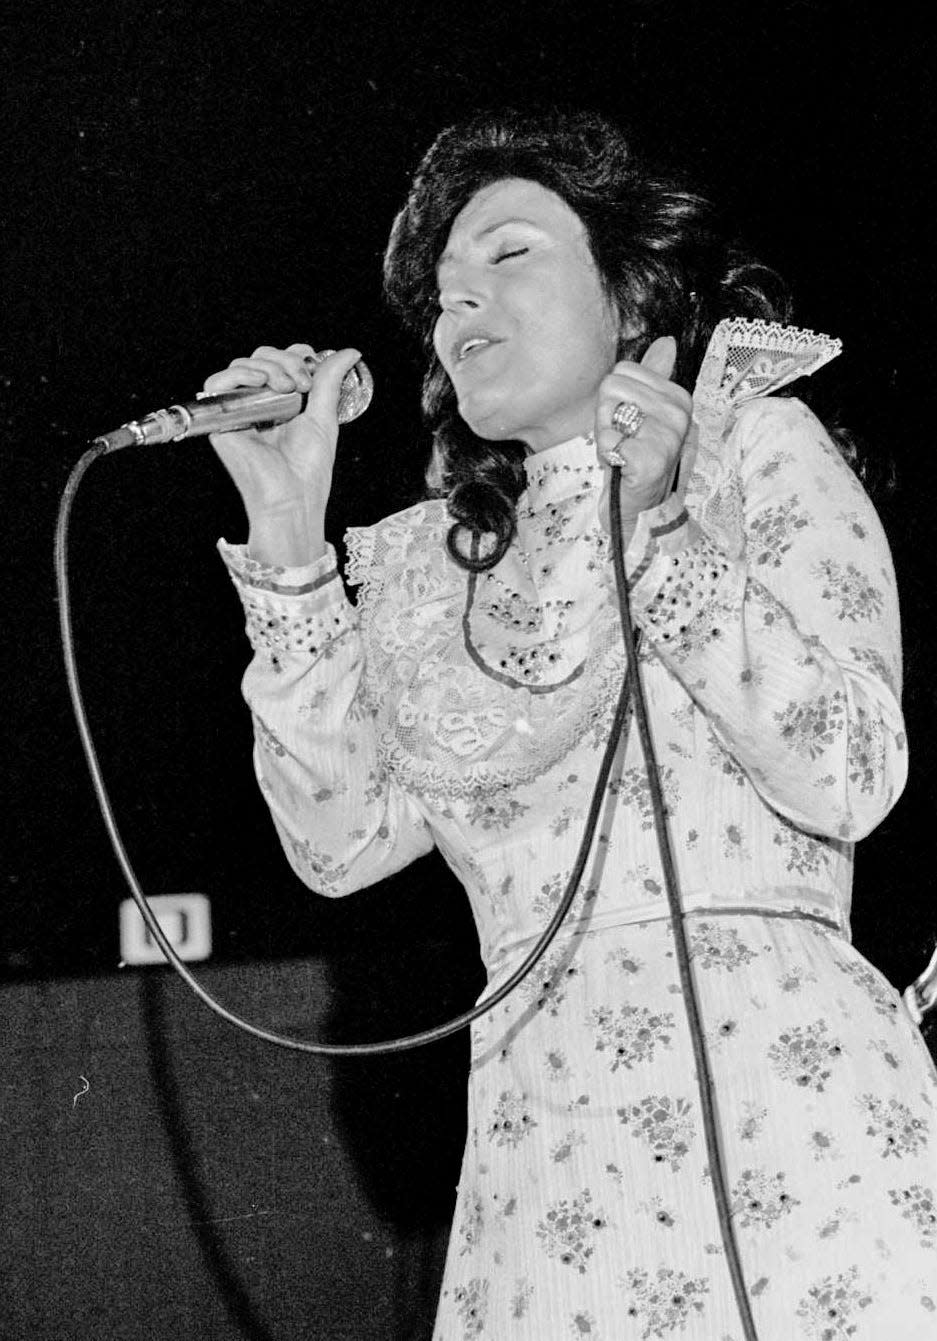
(675, 572)
(289, 610)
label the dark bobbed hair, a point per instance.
(664, 256)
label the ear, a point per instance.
(630, 333)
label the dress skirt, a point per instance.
(585, 1206)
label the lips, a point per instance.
(470, 342)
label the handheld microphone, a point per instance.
(247, 407)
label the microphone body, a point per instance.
(247, 407)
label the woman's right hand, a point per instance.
(284, 473)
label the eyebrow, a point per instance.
(493, 228)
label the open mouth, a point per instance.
(470, 345)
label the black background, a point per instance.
(189, 182)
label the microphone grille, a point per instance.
(357, 387)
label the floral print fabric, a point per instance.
(473, 716)
(586, 1208)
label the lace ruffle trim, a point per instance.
(756, 358)
(403, 542)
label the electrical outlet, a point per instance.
(184, 919)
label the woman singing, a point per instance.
(578, 313)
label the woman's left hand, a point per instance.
(649, 459)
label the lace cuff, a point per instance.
(660, 531)
(249, 572)
(746, 359)
(289, 610)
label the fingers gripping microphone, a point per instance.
(247, 407)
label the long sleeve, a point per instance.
(787, 640)
(342, 822)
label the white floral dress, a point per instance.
(471, 714)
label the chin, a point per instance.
(496, 432)
(488, 422)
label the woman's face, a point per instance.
(526, 332)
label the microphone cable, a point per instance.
(704, 1077)
(100, 447)
(631, 689)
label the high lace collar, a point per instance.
(561, 472)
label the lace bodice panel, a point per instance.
(486, 682)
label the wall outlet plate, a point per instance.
(184, 919)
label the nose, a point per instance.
(461, 289)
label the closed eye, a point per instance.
(509, 255)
